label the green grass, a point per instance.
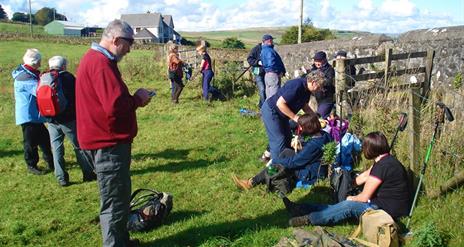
(189, 150)
(20, 28)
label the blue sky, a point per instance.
(379, 16)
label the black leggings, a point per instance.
(35, 134)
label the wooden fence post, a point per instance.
(428, 74)
(388, 55)
(340, 84)
(414, 128)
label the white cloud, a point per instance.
(398, 8)
(200, 15)
(365, 8)
(9, 12)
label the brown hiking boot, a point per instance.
(244, 184)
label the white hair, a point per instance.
(32, 57)
(57, 62)
(118, 28)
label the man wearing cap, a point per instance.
(26, 78)
(64, 124)
(325, 97)
(254, 60)
(273, 66)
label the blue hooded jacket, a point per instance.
(25, 86)
(271, 60)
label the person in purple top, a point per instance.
(206, 71)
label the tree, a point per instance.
(46, 15)
(3, 15)
(21, 17)
(233, 43)
(309, 33)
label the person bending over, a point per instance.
(385, 187)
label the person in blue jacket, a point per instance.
(305, 163)
(284, 106)
(35, 134)
(273, 66)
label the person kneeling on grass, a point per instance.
(385, 187)
(304, 164)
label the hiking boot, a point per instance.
(244, 184)
(299, 221)
(292, 208)
(63, 183)
(35, 170)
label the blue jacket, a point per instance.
(271, 60)
(306, 162)
(25, 86)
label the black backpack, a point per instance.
(342, 183)
(283, 181)
(148, 209)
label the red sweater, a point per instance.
(105, 110)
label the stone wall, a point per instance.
(447, 42)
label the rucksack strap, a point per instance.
(142, 199)
(364, 242)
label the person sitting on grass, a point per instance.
(385, 187)
(305, 163)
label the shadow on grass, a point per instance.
(181, 216)
(178, 166)
(231, 230)
(8, 153)
(165, 154)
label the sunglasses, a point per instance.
(129, 40)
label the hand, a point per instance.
(296, 143)
(295, 118)
(143, 95)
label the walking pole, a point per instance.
(246, 69)
(442, 110)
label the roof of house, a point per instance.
(144, 34)
(168, 20)
(68, 24)
(146, 20)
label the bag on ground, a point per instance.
(342, 183)
(378, 228)
(50, 96)
(148, 209)
(283, 181)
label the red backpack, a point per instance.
(50, 97)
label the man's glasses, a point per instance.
(129, 40)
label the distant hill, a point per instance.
(252, 36)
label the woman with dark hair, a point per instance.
(385, 187)
(207, 71)
(305, 163)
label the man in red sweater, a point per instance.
(106, 126)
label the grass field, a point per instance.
(189, 150)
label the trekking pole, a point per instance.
(246, 69)
(441, 112)
(401, 127)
